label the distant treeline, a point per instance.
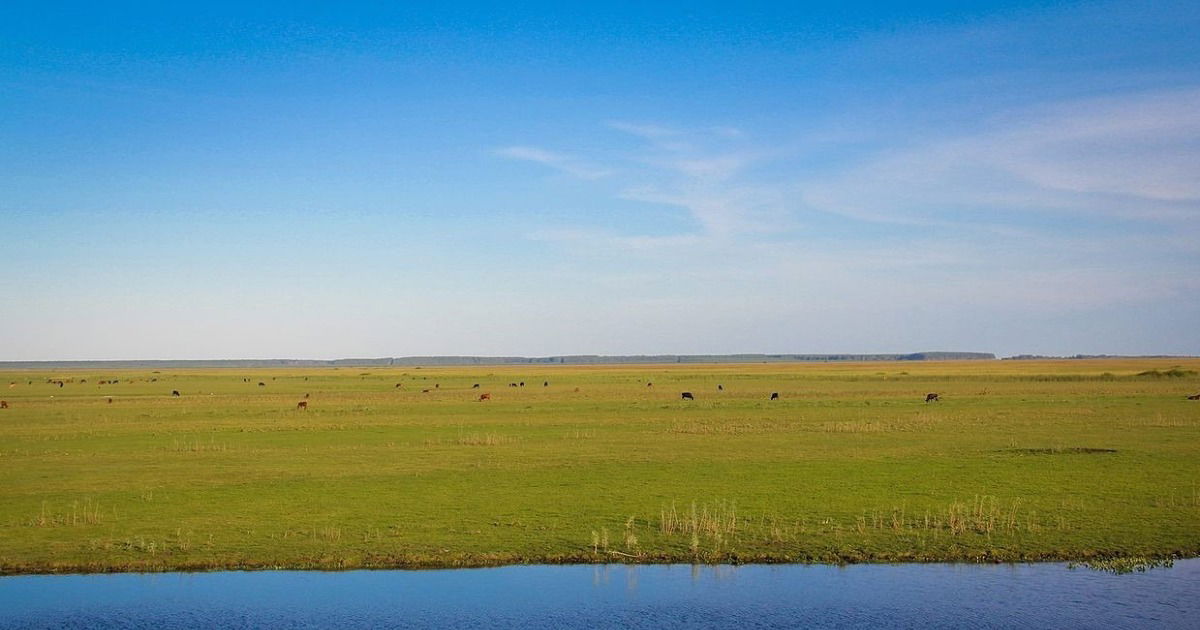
(1029, 357)
(579, 359)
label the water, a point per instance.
(756, 596)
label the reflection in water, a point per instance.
(899, 596)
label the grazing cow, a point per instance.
(720, 388)
(83, 380)
(522, 384)
(436, 386)
(649, 384)
(110, 400)
(512, 384)
(397, 385)
(3, 404)
(686, 396)
(774, 395)
(545, 383)
(262, 384)
(424, 391)
(60, 383)
(483, 397)
(306, 395)
(1194, 397)
(174, 392)
(931, 398)
(303, 404)
(475, 386)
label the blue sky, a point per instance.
(321, 181)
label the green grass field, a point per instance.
(1019, 461)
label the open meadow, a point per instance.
(1019, 460)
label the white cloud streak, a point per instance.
(558, 161)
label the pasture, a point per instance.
(1018, 460)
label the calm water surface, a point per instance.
(755, 596)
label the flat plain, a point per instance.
(406, 467)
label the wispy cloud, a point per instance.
(558, 161)
(642, 130)
(1130, 157)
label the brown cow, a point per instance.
(931, 398)
(483, 397)
(303, 404)
(110, 400)
(3, 404)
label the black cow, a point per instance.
(475, 386)
(262, 384)
(720, 388)
(545, 383)
(174, 392)
(521, 384)
(1194, 397)
(931, 398)
(686, 396)
(774, 395)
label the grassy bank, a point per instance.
(1031, 460)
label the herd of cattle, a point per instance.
(303, 405)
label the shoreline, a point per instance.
(1124, 563)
